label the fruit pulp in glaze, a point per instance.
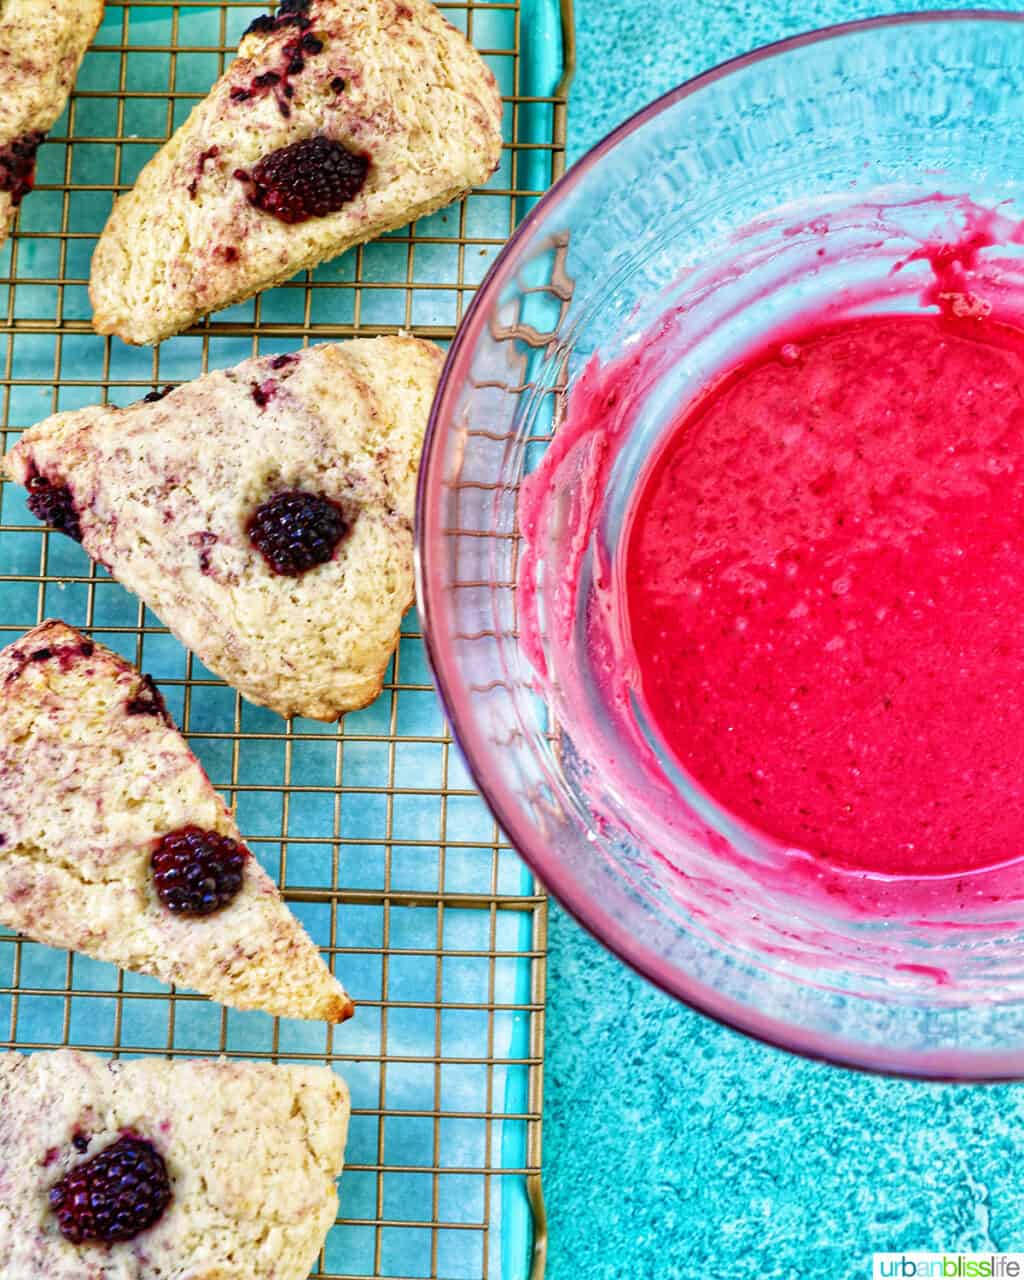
(824, 591)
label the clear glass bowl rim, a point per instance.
(990, 1067)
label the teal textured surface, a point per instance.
(673, 1147)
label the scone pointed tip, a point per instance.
(340, 1009)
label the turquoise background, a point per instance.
(675, 1148)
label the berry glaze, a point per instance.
(824, 579)
(793, 661)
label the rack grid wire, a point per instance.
(372, 827)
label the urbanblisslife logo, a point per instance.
(947, 1266)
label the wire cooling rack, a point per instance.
(372, 828)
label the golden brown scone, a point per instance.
(165, 495)
(94, 779)
(393, 114)
(42, 43)
(249, 1153)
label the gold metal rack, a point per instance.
(409, 887)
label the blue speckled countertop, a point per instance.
(674, 1148)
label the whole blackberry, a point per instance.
(197, 872)
(54, 505)
(115, 1195)
(18, 165)
(308, 179)
(295, 531)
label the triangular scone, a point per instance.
(165, 495)
(249, 1153)
(95, 778)
(407, 118)
(42, 43)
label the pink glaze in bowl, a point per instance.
(823, 170)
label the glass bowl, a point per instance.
(729, 178)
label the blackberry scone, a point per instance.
(41, 48)
(338, 120)
(114, 843)
(264, 513)
(154, 1170)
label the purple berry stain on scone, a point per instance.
(66, 655)
(197, 872)
(204, 159)
(292, 14)
(203, 541)
(308, 179)
(284, 360)
(53, 504)
(151, 397)
(338, 84)
(18, 165)
(260, 26)
(295, 531)
(114, 1196)
(80, 1142)
(147, 701)
(289, 13)
(263, 392)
